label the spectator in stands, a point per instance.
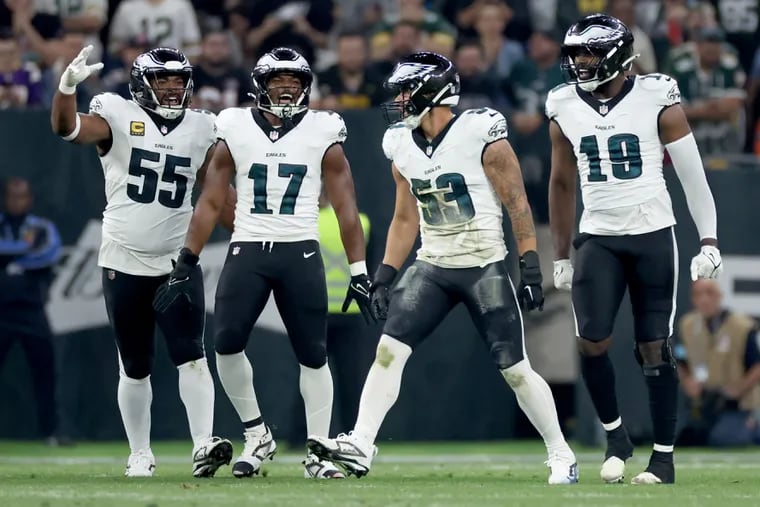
(547, 15)
(218, 83)
(530, 82)
(350, 84)
(86, 17)
(464, 14)
(740, 20)
(29, 248)
(359, 15)
(21, 83)
(267, 24)
(165, 22)
(117, 79)
(712, 89)
(625, 11)
(501, 53)
(437, 34)
(406, 38)
(479, 88)
(753, 107)
(718, 358)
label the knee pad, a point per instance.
(229, 341)
(135, 368)
(312, 355)
(186, 351)
(506, 354)
(665, 355)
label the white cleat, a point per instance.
(351, 452)
(564, 467)
(646, 478)
(141, 464)
(613, 470)
(315, 468)
(210, 455)
(258, 447)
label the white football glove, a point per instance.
(707, 263)
(563, 274)
(77, 71)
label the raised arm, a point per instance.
(503, 171)
(64, 119)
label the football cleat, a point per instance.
(563, 466)
(659, 471)
(258, 447)
(210, 455)
(619, 449)
(315, 468)
(141, 464)
(351, 452)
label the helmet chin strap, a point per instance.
(287, 110)
(413, 121)
(592, 84)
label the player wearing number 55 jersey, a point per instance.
(612, 130)
(278, 153)
(151, 148)
(452, 174)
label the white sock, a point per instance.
(317, 392)
(236, 375)
(134, 397)
(196, 389)
(613, 425)
(382, 386)
(535, 399)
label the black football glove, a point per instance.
(180, 282)
(358, 290)
(530, 295)
(379, 293)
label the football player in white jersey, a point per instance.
(452, 174)
(612, 130)
(151, 148)
(278, 154)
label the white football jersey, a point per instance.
(460, 213)
(149, 175)
(278, 172)
(619, 153)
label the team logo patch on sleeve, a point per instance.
(136, 128)
(498, 128)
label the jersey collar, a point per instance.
(275, 133)
(428, 148)
(165, 126)
(603, 108)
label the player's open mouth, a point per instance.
(286, 98)
(585, 74)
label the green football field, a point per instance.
(450, 474)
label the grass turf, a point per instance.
(429, 474)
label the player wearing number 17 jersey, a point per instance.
(151, 148)
(279, 153)
(452, 173)
(612, 129)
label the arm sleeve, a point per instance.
(688, 166)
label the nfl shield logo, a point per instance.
(111, 274)
(164, 130)
(273, 135)
(429, 150)
(236, 250)
(603, 109)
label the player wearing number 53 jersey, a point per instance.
(611, 129)
(452, 174)
(278, 153)
(151, 149)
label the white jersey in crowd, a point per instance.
(619, 153)
(169, 23)
(149, 177)
(460, 213)
(278, 172)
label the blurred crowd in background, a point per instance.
(507, 53)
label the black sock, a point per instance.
(662, 383)
(600, 381)
(253, 423)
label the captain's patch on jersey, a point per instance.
(136, 128)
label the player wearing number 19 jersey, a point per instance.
(612, 129)
(278, 153)
(452, 173)
(151, 148)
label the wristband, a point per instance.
(358, 268)
(75, 132)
